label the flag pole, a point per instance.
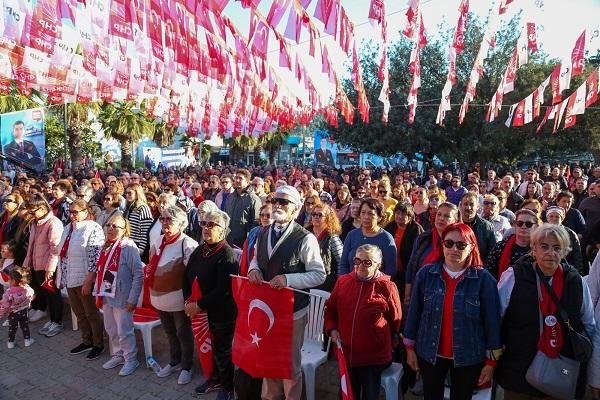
(286, 287)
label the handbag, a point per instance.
(556, 377)
(580, 343)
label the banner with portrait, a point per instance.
(23, 138)
(325, 149)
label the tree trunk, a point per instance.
(272, 153)
(126, 154)
(74, 140)
(257, 150)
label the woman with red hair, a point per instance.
(454, 294)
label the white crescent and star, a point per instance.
(264, 307)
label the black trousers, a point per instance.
(222, 333)
(366, 381)
(178, 328)
(16, 319)
(46, 299)
(463, 380)
(246, 387)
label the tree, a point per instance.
(127, 124)
(239, 146)
(474, 140)
(271, 142)
(78, 128)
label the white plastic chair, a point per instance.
(74, 324)
(312, 349)
(144, 319)
(390, 381)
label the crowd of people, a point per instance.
(439, 271)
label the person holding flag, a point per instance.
(287, 255)
(367, 341)
(210, 305)
(119, 262)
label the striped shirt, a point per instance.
(140, 219)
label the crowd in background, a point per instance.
(398, 221)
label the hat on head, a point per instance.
(557, 210)
(291, 192)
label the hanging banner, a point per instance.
(23, 138)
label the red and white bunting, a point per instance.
(415, 32)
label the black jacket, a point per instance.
(484, 232)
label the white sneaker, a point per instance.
(129, 367)
(37, 315)
(185, 377)
(54, 329)
(29, 342)
(44, 329)
(167, 370)
(11, 345)
(5, 323)
(114, 362)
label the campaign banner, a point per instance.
(23, 138)
(152, 157)
(325, 149)
(174, 157)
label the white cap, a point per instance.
(291, 192)
(557, 210)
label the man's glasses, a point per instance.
(527, 224)
(449, 243)
(265, 215)
(280, 201)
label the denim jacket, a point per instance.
(476, 315)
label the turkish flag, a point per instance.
(202, 333)
(262, 344)
(345, 388)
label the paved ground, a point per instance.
(46, 371)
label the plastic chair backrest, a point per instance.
(316, 314)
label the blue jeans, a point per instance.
(366, 381)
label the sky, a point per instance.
(559, 23)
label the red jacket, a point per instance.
(367, 315)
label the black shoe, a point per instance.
(80, 349)
(94, 353)
(207, 387)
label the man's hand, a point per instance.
(279, 282)
(411, 359)
(255, 276)
(49, 275)
(486, 375)
(130, 307)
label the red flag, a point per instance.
(202, 333)
(555, 85)
(549, 111)
(519, 117)
(570, 117)
(120, 20)
(376, 11)
(345, 387)
(276, 11)
(577, 56)
(531, 37)
(259, 35)
(262, 343)
(592, 89)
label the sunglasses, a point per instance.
(527, 224)
(365, 263)
(382, 191)
(489, 203)
(209, 224)
(10, 201)
(114, 226)
(280, 201)
(449, 243)
(317, 215)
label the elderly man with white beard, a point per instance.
(287, 255)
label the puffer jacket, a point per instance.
(82, 255)
(43, 251)
(367, 315)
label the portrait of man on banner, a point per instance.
(323, 147)
(23, 138)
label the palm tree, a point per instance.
(78, 122)
(164, 134)
(240, 145)
(272, 141)
(14, 100)
(127, 124)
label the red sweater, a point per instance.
(445, 348)
(366, 314)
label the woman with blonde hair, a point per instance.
(325, 225)
(139, 215)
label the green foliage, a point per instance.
(474, 140)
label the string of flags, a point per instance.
(191, 65)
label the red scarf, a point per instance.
(436, 249)
(551, 339)
(151, 267)
(3, 227)
(104, 264)
(65, 246)
(505, 257)
(55, 205)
